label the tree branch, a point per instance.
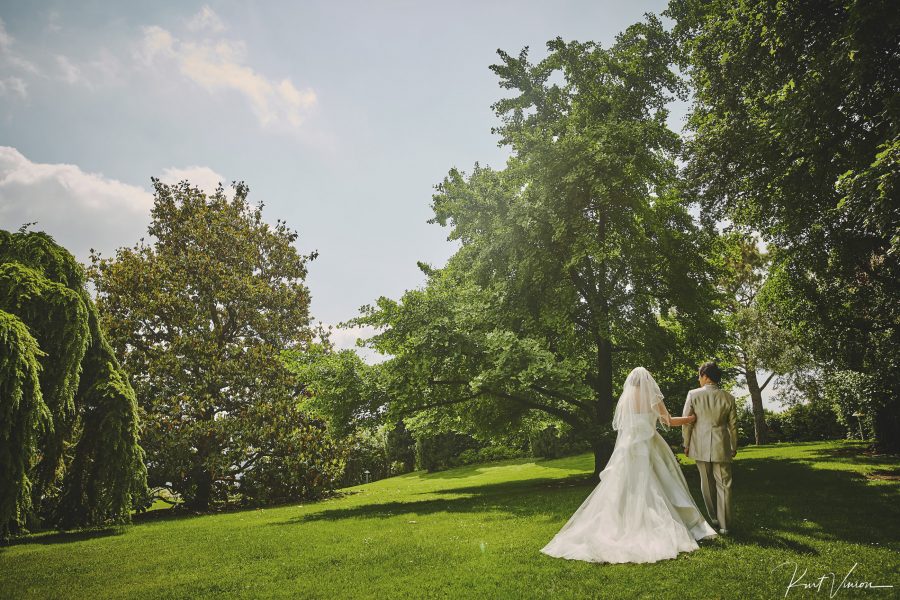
(442, 403)
(768, 379)
(559, 396)
(558, 412)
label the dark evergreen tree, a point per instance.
(69, 452)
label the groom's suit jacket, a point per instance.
(713, 436)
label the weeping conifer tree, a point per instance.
(69, 453)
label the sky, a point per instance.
(340, 116)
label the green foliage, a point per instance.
(71, 453)
(856, 399)
(24, 415)
(58, 317)
(296, 457)
(579, 260)
(338, 387)
(754, 340)
(109, 424)
(794, 133)
(811, 421)
(366, 451)
(400, 447)
(473, 456)
(441, 450)
(556, 442)
(745, 422)
(199, 318)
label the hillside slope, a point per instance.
(476, 531)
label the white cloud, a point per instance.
(206, 20)
(71, 73)
(53, 21)
(13, 85)
(221, 65)
(80, 210)
(156, 43)
(105, 69)
(9, 57)
(6, 40)
(203, 177)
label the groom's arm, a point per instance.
(732, 427)
(687, 430)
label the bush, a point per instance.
(851, 393)
(398, 467)
(487, 454)
(365, 452)
(400, 447)
(439, 451)
(550, 442)
(301, 461)
(812, 421)
(808, 421)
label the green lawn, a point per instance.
(475, 532)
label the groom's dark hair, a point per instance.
(711, 370)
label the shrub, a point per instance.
(400, 447)
(365, 452)
(439, 451)
(487, 454)
(551, 442)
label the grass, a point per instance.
(476, 531)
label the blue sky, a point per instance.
(340, 116)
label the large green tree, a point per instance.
(199, 318)
(795, 132)
(69, 452)
(338, 387)
(578, 261)
(755, 340)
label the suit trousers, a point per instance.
(715, 482)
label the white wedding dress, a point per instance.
(642, 510)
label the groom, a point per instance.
(712, 441)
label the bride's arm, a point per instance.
(676, 421)
(668, 419)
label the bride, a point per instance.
(641, 511)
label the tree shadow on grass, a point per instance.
(566, 463)
(64, 537)
(778, 503)
(856, 453)
(764, 538)
(549, 497)
(781, 499)
(152, 516)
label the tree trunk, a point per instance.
(202, 476)
(604, 343)
(602, 450)
(601, 445)
(203, 495)
(599, 460)
(887, 429)
(759, 417)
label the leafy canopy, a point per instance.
(579, 261)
